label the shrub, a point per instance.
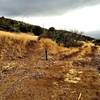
(37, 30)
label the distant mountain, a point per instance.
(94, 34)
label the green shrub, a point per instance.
(37, 30)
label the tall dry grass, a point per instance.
(15, 36)
(20, 43)
(14, 45)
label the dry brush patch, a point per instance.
(12, 44)
(15, 36)
(52, 46)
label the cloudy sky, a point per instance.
(82, 15)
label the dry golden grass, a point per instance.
(19, 41)
(13, 45)
(15, 36)
(52, 46)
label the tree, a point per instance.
(52, 33)
(37, 30)
(24, 28)
(52, 29)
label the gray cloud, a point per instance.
(94, 34)
(41, 7)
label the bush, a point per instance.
(37, 30)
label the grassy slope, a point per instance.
(7, 24)
(69, 74)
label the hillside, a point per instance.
(68, 74)
(60, 36)
(94, 34)
(11, 25)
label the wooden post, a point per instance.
(46, 53)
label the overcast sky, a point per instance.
(82, 15)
